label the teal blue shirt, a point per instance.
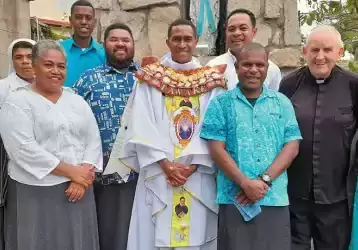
(79, 60)
(254, 136)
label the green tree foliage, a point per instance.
(343, 15)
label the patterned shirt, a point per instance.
(254, 136)
(107, 90)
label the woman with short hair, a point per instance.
(54, 147)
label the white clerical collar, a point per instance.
(167, 60)
(320, 81)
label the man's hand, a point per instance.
(183, 170)
(187, 171)
(174, 172)
(75, 192)
(253, 190)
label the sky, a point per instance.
(64, 5)
(303, 7)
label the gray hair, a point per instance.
(43, 46)
(326, 29)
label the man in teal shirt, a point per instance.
(82, 51)
(253, 138)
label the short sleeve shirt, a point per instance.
(254, 136)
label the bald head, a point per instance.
(325, 31)
(251, 47)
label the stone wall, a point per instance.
(277, 23)
(148, 20)
(14, 23)
(277, 28)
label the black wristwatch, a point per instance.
(265, 177)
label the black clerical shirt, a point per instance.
(326, 112)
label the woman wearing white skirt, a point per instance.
(54, 147)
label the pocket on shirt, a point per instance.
(276, 118)
(344, 116)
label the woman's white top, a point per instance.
(38, 134)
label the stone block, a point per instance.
(158, 23)
(277, 37)
(140, 4)
(136, 20)
(287, 57)
(102, 4)
(292, 35)
(252, 5)
(3, 66)
(263, 34)
(273, 8)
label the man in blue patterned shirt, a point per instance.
(107, 88)
(253, 138)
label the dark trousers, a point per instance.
(270, 230)
(114, 209)
(329, 225)
(2, 228)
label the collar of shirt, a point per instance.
(265, 93)
(314, 80)
(232, 57)
(93, 45)
(110, 69)
(16, 82)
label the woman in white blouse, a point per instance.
(54, 147)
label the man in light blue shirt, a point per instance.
(82, 51)
(253, 138)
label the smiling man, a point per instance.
(321, 181)
(240, 30)
(161, 141)
(82, 51)
(253, 137)
(107, 88)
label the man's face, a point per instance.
(119, 47)
(22, 63)
(239, 31)
(322, 53)
(182, 202)
(181, 43)
(252, 69)
(83, 21)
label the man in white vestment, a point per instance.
(240, 29)
(159, 138)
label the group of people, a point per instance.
(99, 152)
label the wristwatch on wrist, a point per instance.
(265, 177)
